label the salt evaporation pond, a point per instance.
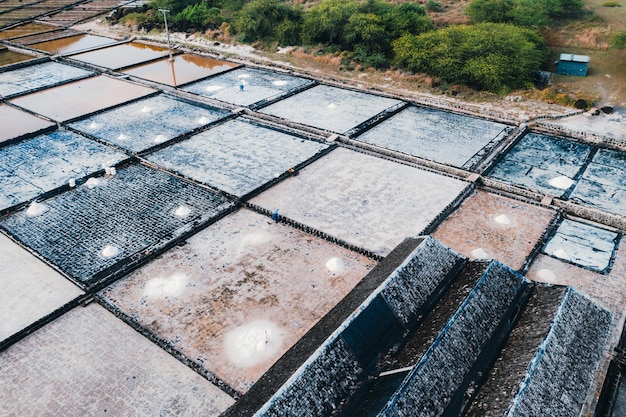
(36, 77)
(183, 69)
(25, 29)
(237, 156)
(32, 167)
(214, 298)
(603, 184)
(80, 98)
(356, 198)
(8, 57)
(88, 362)
(22, 123)
(72, 44)
(258, 86)
(491, 226)
(149, 122)
(544, 163)
(583, 244)
(437, 135)
(30, 288)
(133, 211)
(331, 108)
(122, 56)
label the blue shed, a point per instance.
(570, 64)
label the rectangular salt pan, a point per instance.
(368, 202)
(583, 244)
(436, 135)
(121, 56)
(183, 69)
(46, 162)
(105, 223)
(237, 156)
(36, 77)
(331, 108)
(544, 163)
(149, 122)
(603, 183)
(247, 86)
(80, 98)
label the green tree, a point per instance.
(199, 16)
(527, 13)
(492, 56)
(325, 22)
(409, 18)
(261, 20)
(496, 11)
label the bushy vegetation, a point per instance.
(496, 56)
(619, 40)
(526, 13)
(492, 56)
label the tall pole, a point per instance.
(169, 46)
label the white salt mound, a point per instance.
(562, 182)
(336, 266)
(503, 219)
(35, 209)
(110, 251)
(253, 343)
(480, 253)
(161, 287)
(182, 211)
(92, 183)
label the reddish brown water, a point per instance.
(122, 56)
(183, 69)
(72, 44)
(26, 29)
(15, 123)
(82, 97)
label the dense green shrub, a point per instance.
(527, 13)
(261, 20)
(619, 40)
(491, 56)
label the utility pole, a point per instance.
(169, 46)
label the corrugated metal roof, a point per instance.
(574, 58)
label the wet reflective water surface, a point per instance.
(72, 44)
(81, 97)
(182, 69)
(122, 56)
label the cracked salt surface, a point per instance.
(258, 85)
(330, 108)
(214, 297)
(38, 76)
(144, 123)
(544, 163)
(101, 224)
(32, 167)
(603, 184)
(435, 134)
(30, 288)
(582, 244)
(354, 197)
(237, 156)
